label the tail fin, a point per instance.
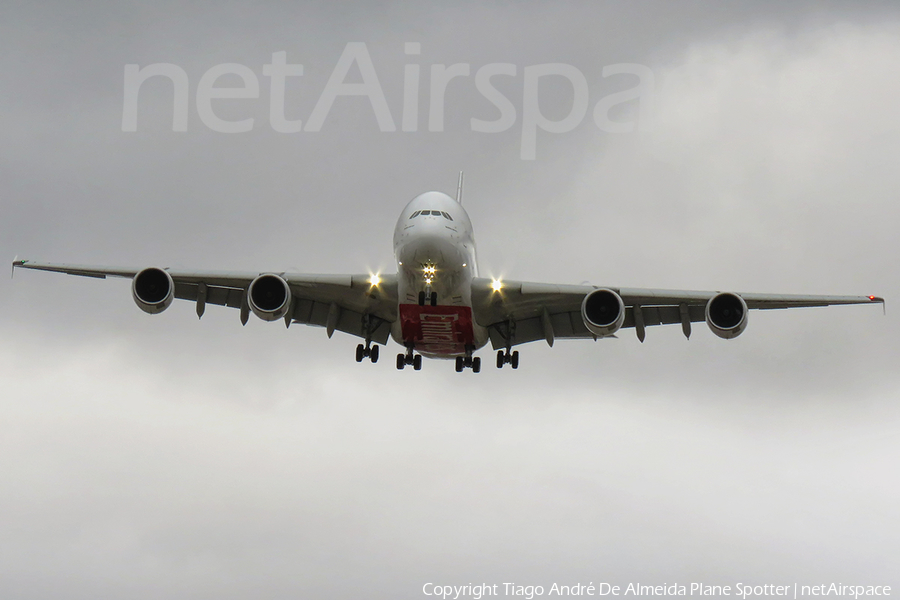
(459, 188)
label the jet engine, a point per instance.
(726, 315)
(153, 290)
(603, 312)
(269, 297)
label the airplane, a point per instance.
(436, 305)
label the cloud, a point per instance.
(151, 456)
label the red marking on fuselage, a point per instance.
(437, 329)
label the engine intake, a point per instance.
(269, 297)
(603, 312)
(726, 315)
(153, 290)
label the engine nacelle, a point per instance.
(269, 297)
(603, 312)
(153, 290)
(726, 315)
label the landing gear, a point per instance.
(468, 361)
(367, 351)
(429, 297)
(369, 325)
(505, 356)
(409, 359)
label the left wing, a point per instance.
(521, 312)
(348, 303)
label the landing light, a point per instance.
(374, 279)
(496, 285)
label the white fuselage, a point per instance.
(435, 251)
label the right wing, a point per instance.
(522, 312)
(348, 303)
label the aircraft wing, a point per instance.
(348, 303)
(521, 312)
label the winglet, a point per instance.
(15, 263)
(459, 188)
(881, 300)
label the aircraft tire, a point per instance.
(459, 364)
(373, 354)
(514, 360)
(500, 360)
(476, 364)
(360, 350)
(401, 362)
(417, 362)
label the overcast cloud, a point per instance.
(166, 457)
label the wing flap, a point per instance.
(663, 315)
(311, 312)
(220, 296)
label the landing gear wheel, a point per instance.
(360, 353)
(422, 298)
(373, 354)
(434, 298)
(476, 364)
(417, 362)
(500, 359)
(460, 365)
(401, 361)
(514, 360)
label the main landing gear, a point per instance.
(468, 361)
(409, 359)
(370, 351)
(506, 357)
(367, 351)
(473, 362)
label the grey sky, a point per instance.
(149, 457)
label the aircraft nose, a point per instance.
(432, 245)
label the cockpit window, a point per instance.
(446, 216)
(415, 214)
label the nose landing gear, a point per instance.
(429, 298)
